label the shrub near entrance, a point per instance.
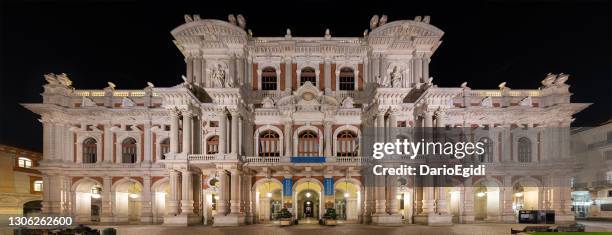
(285, 217)
(329, 218)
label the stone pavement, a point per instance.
(342, 229)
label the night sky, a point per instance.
(129, 43)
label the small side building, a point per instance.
(21, 185)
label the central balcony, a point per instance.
(259, 160)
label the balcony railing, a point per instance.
(262, 159)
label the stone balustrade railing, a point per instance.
(116, 93)
(263, 159)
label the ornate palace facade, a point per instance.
(262, 123)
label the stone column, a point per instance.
(288, 138)
(394, 204)
(172, 208)
(441, 202)
(328, 138)
(197, 70)
(187, 121)
(240, 136)
(425, 64)
(189, 65)
(380, 195)
(467, 197)
(187, 192)
(223, 132)
(106, 215)
(174, 132)
(380, 126)
(146, 207)
(428, 195)
(506, 199)
(327, 74)
(234, 143)
(288, 74)
(235, 194)
(222, 202)
(148, 145)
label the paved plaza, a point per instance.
(343, 229)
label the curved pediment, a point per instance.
(410, 28)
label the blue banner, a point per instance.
(307, 159)
(287, 186)
(328, 183)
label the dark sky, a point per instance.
(129, 43)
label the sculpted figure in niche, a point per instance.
(396, 77)
(384, 81)
(218, 77)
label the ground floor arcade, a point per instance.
(231, 196)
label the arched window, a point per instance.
(269, 144)
(164, 146)
(347, 144)
(487, 155)
(346, 79)
(90, 150)
(524, 149)
(268, 79)
(308, 74)
(308, 144)
(128, 150)
(24, 162)
(212, 145)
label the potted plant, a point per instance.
(329, 218)
(285, 217)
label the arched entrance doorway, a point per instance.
(486, 201)
(268, 199)
(525, 196)
(32, 208)
(346, 199)
(161, 194)
(128, 195)
(87, 201)
(309, 202)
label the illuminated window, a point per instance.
(24, 162)
(212, 145)
(269, 144)
(347, 144)
(38, 186)
(308, 144)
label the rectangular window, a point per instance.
(24, 162)
(38, 186)
(268, 83)
(347, 83)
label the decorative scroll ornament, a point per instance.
(374, 22)
(527, 102)
(127, 102)
(87, 102)
(268, 103)
(347, 103)
(487, 102)
(59, 79)
(561, 79)
(549, 80)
